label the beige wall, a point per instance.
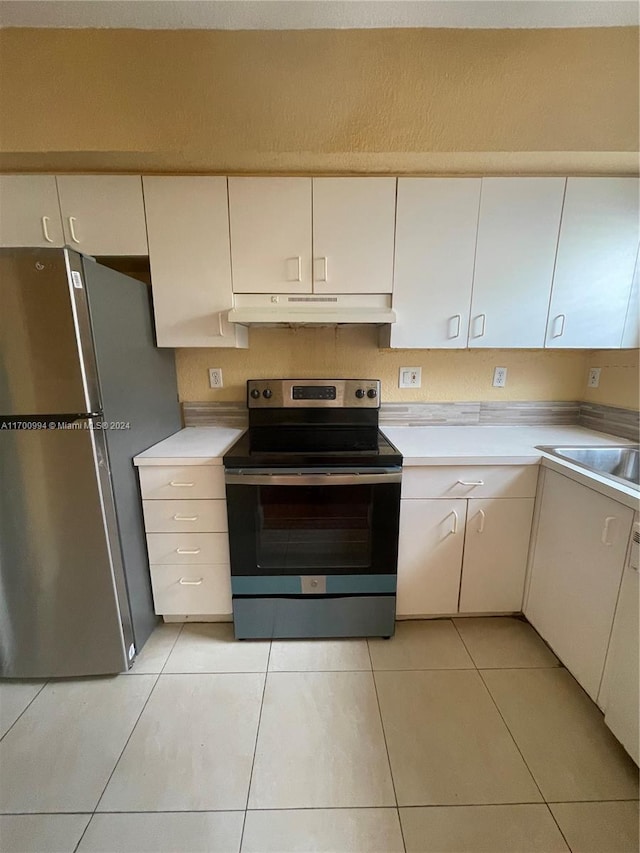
(353, 351)
(397, 101)
(320, 101)
(619, 378)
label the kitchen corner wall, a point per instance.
(619, 378)
(447, 375)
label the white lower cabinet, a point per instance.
(619, 692)
(185, 516)
(576, 570)
(463, 554)
(496, 546)
(430, 556)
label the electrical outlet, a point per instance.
(499, 377)
(410, 377)
(215, 377)
(594, 377)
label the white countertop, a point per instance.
(487, 445)
(191, 446)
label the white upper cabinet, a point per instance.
(103, 214)
(270, 222)
(29, 211)
(188, 225)
(436, 226)
(353, 234)
(631, 334)
(594, 268)
(515, 254)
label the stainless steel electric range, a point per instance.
(313, 500)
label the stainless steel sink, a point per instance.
(620, 462)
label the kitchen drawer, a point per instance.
(188, 548)
(194, 590)
(470, 481)
(159, 482)
(205, 516)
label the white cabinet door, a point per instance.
(436, 227)
(631, 334)
(103, 214)
(516, 249)
(594, 268)
(29, 211)
(620, 690)
(430, 556)
(353, 233)
(270, 234)
(188, 226)
(577, 565)
(496, 546)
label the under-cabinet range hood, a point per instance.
(267, 309)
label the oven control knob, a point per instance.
(372, 393)
(360, 393)
(267, 393)
(255, 393)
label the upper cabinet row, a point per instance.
(96, 214)
(478, 262)
(515, 262)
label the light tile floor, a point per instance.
(455, 736)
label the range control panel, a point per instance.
(313, 393)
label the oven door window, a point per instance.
(314, 527)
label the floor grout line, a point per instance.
(133, 728)
(386, 746)
(255, 748)
(27, 706)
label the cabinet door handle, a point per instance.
(454, 527)
(471, 482)
(457, 319)
(220, 329)
(185, 517)
(185, 582)
(297, 274)
(72, 229)
(605, 530)
(182, 485)
(482, 515)
(187, 550)
(322, 275)
(554, 332)
(45, 229)
(482, 317)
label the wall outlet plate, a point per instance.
(594, 377)
(410, 377)
(215, 377)
(499, 377)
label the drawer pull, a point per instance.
(605, 530)
(185, 582)
(187, 550)
(482, 515)
(185, 517)
(176, 483)
(471, 482)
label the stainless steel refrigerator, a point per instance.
(83, 388)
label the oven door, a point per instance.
(310, 522)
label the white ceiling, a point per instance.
(316, 14)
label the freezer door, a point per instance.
(60, 570)
(47, 365)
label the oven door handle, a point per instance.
(311, 479)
